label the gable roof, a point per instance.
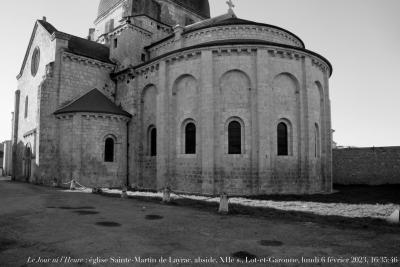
(48, 27)
(228, 19)
(222, 20)
(210, 21)
(105, 6)
(83, 47)
(76, 45)
(93, 102)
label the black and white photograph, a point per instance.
(200, 133)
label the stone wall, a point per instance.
(61, 78)
(370, 166)
(122, 43)
(27, 128)
(168, 13)
(7, 160)
(227, 32)
(1, 157)
(82, 145)
(68, 78)
(213, 86)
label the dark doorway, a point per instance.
(28, 162)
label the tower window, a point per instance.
(143, 57)
(283, 142)
(153, 142)
(234, 138)
(109, 27)
(190, 138)
(115, 42)
(317, 142)
(26, 107)
(109, 150)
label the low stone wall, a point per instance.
(369, 166)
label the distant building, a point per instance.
(161, 95)
(1, 158)
(366, 165)
(7, 158)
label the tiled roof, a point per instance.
(76, 45)
(81, 46)
(93, 102)
(106, 5)
(201, 7)
(232, 20)
(90, 49)
(230, 42)
(49, 28)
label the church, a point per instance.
(160, 94)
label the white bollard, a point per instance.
(166, 195)
(224, 204)
(394, 218)
(124, 193)
(73, 186)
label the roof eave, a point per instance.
(232, 42)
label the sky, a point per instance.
(361, 38)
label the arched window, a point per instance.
(26, 107)
(234, 138)
(317, 141)
(283, 139)
(190, 138)
(153, 141)
(109, 150)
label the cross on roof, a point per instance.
(230, 4)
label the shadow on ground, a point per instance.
(347, 194)
(350, 194)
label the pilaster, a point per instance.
(76, 153)
(264, 122)
(207, 109)
(162, 127)
(328, 133)
(305, 129)
(15, 133)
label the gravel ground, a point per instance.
(45, 222)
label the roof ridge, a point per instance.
(47, 25)
(93, 101)
(68, 103)
(210, 20)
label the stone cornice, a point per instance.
(100, 116)
(288, 54)
(212, 35)
(130, 26)
(29, 133)
(86, 61)
(275, 50)
(257, 28)
(93, 116)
